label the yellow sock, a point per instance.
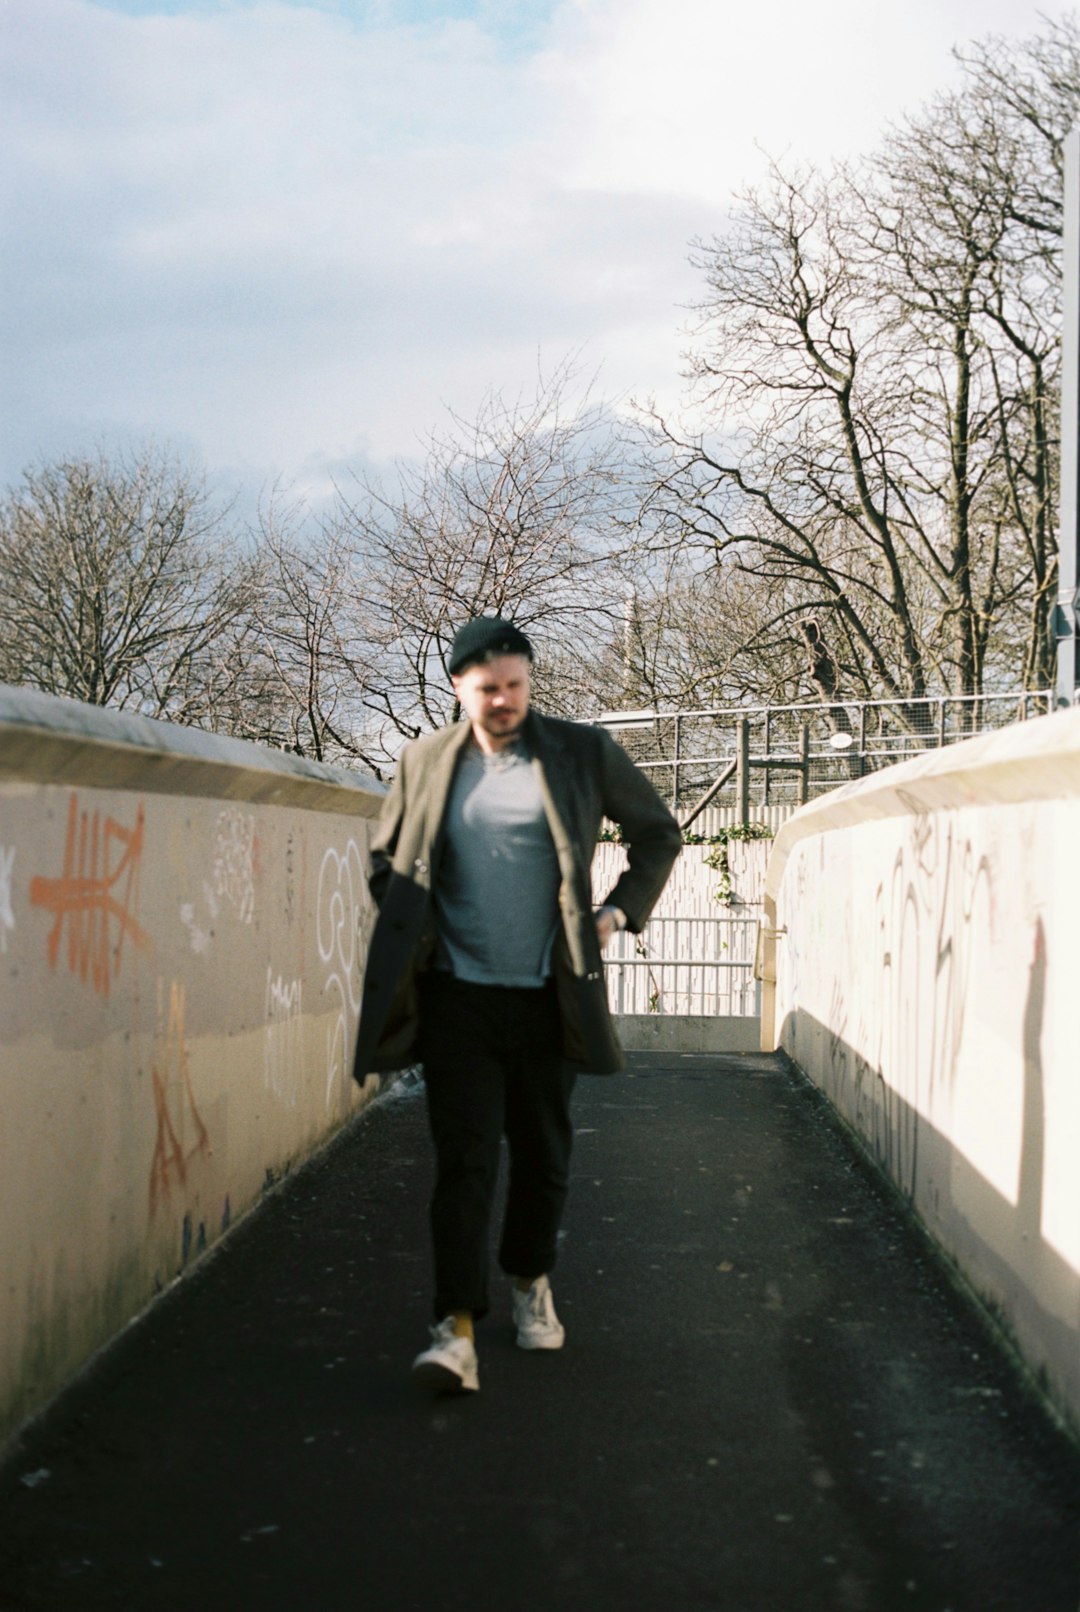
(463, 1324)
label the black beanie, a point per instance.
(484, 636)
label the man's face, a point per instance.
(495, 697)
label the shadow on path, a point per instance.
(769, 1401)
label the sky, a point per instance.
(283, 237)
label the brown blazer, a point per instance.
(584, 777)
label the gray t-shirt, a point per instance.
(497, 892)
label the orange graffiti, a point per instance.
(172, 1152)
(96, 896)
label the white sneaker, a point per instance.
(449, 1366)
(538, 1327)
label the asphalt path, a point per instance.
(770, 1399)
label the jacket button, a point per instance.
(420, 865)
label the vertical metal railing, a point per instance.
(691, 966)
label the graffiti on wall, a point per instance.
(7, 915)
(233, 877)
(95, 899)
(182, 1137)
(284, 1043)
(342, 916)
(199, 937)
(901, 983)
(290, 878)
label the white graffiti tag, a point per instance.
(7, 917)
(284, 1048)
(343, 914)
(199, 937)
(234, 862)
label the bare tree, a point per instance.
(877, 354)
(1030, 99)
(313, 677)
(691, 637)
(117, 582)
(966, 236)
(796, 493)
(515, 513)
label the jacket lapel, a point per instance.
(556, 783)
(554, 768)
(437, 787)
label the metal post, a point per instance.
(768, 750)
(743, 754)
(710, 794)
(1066, 623)
(804, 764)
(675, 765)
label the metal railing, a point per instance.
(785, 754)
(689, 966)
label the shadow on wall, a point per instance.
(998, 1246)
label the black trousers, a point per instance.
(492, 1067)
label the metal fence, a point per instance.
(695, 957)
(783, 755)
(689, 966)
(692, 959)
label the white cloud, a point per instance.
(286, 238)
(682, 96)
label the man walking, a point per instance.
(485, 965)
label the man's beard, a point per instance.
(500, 725)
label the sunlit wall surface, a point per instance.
(926, 952)
(183, 922)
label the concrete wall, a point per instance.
(662, 1033)
(182, 925)
(926, 975)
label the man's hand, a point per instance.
(609, 920)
